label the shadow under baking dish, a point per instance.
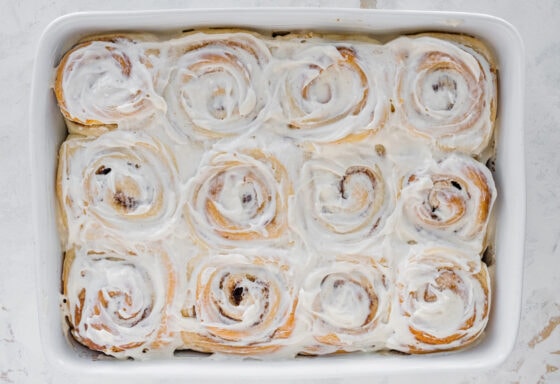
(47, 131)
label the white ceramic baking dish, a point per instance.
(47, 131)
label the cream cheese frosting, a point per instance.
(124, 183)
(120, 298)
(443, 299)
(216, 87)
(446, 92)
(238, 194)
(108, 82)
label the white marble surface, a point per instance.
(536, 357)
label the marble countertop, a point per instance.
(536, 357)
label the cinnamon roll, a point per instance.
(343, 200)
(450, 200)
(216, 87)
(239, 199)
(105, 83)
(329, 91)
(122, 183)
(117, 299)
(443, 300)
(447, 90)
(349, 300)
(242, 304)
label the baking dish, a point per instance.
(47, 131)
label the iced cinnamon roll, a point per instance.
(303, 194)
(349, 301)
(239, 199)
(117, 299)
(450, 201)
(105, 83)
(343, 199)
(216, 87)
(242, 304)
(328, 92)
(446, 90)
(443, 300)
(122, 183)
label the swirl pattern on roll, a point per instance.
(216, 88)
(446, 92)
(349, 300)
(106, 82)
(450, 200)
(243, 303)
(444, 300)
(343, 201)
(117, 299)
(327, 92)
(122, 182)
(239, 199)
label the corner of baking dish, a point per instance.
(47, 132)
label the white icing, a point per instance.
(444, 316)
(446, 91)
(343, 198)
(107, 82)
(123, 183)
(349, 298)
(278, 167)
(216, 88)
(238, 196)
(241, 302)
(126, 295)
(449, 200)
(439, 294)
(326, 92)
